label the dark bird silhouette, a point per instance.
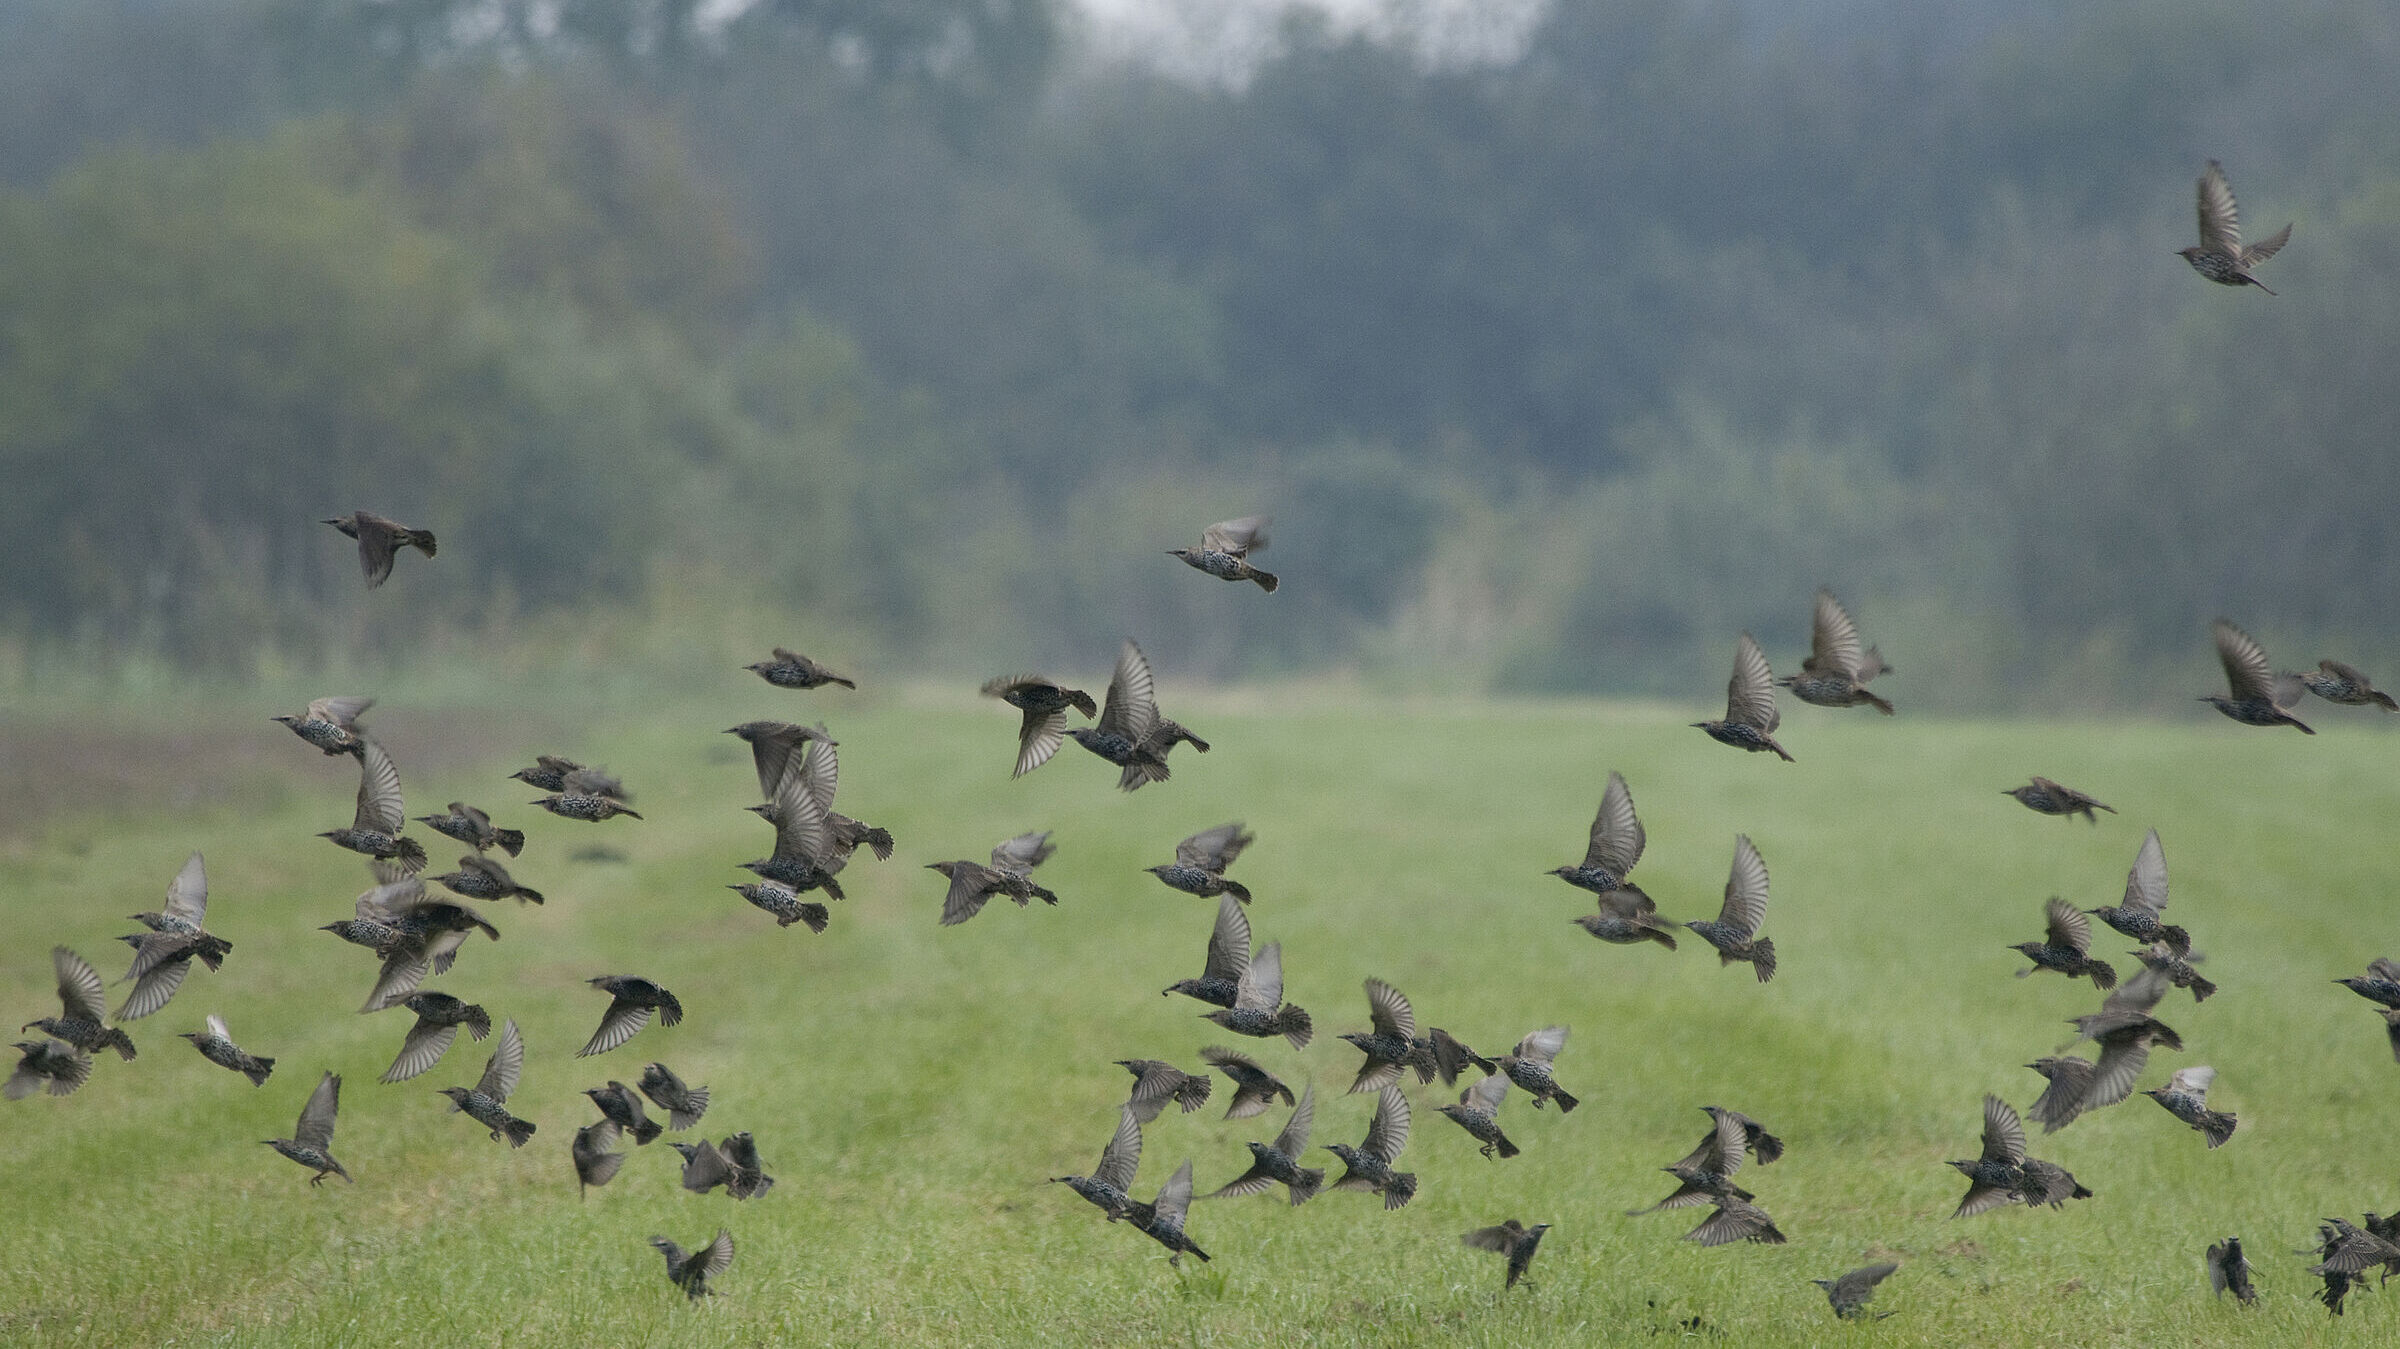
(311, 1143)
(164, 955)
(2044, 797)
(1279, 1162)
(2137, 916)
(819, 772)
(1391, 1045)
(486, 1101)
(1258, 1007)
(2125, 1031)
(585, 795)
(2186, 1098)
(1750, 715)
(691, 1271)
(2228, 1269)
(775, 746)
(216, 1045)
(1512, 1239)
(2338, 683)
(1735, 932)
(1529, 1066)
(1200, 862)
(330, 724)
(2221, 256)
(1106, 1188)
(1128, 722)
(1616, 844)
(619, 1104)
(2066, 947)
(1254, 1088)
(475, 829)
(633, 999)
(1440, 1054)
(2381, 983)
(2259, 697)
(1627, 917)
(1837, 669)
(785, 904)
(1369, 1165)
(1225, 549)
(375, 828)
(2173, 957)
(1850, 1293)
(1044, 702)
(439, 1017)
(549, 773)
(1478, 1112)
(733, 1164)
(1705, 1174)
(83, 1005)
(54, 1063)
(414, 934)
(1228, 956)
(2338, 1282)
(2347, 1250)
(1156, 1082)
(2070, 1082)
(684, 1105)
(1162, 1219)
(595, 1154)
(972, 884)
(791, 670)
(805, 856)
(482, 878)
(2003, 1175)
(1736, 1220)
(380, 542)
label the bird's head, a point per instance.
(2191, 254)
(288, 721)
(1187, 986)
(457, 1095)
(1965, 1168)
(1184, 553)
(1355, 1038)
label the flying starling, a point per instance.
(1200, 862)
(2070, 1082)
(1750, 715)
(83, 1007)
(1228, 956)
(2066, 947)
(482, 878)
(1156, 1082)
(732, 1163)
(485, 1101)
(1615, 846)
(1736, 1220)
(1254, 1088)
(633, 1000)
(380, 542)
(692, 1271)
(2145, 898)
(216, 1045)
(330, 724)
(1478, 1112)
(2221, 255)
(1127, 721)
(1512, 1239)
(59, 1064)
(775, 746)
(2173, 957)
(805, 857)
(2044, 797)
(1391, 1045)
(164, 955)
(684, 1105)
(549, 774)
(1440, 1054)
(1734, 934)
(475, 829)
(2125, 1031)
(1850, 1293)
(624, 1109)
(1225, 549)
(791, 670)
(2259, 697)
(2380, 984)
(583, 795)
(2348, 1250)
(1279, 1161)
(1258, 1007)
(1162, 1219)
(1107, 1185)
(1369, 1165)
(438, 1018)
(1996, 1178)
(375, 828)
(1627, 917)
(972, 884)
(785, 904)
(2186, 1098)
(1044, 703)
(311, 1143)
(416, 936)
(1705, 1175)
(2227, 1269)
(2338, 683)
(1837, 669)
(1528, 1065)
(595, 1154)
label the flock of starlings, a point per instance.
(414, 934)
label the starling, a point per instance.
(2380, 984)
(2060, 1102)
(1478, 1112)
(805, 857)
(1279, 1161)
(684, 1105)
(633, 1000)
(416, 935)
(2259, 697)
(2173, 957)
(1750, 715)
(485, 1101)
(2220, 255)
(584, 795)
(624, 1109)
(2338, 683)
(1705, 1174)
(1162, 1219)
(1837, 670)
(482, 878)
(1734, 934)
(330, 724)
(164, 956)
(1369, 1165)
(1528, 1065)
(2186, 1098)
(1228, 956)
(2227, 1269)
(2044, 797)
(1391, 1045)
(596, 1156)
(1156, 1082)
(1044, 703)
(1765, 1147)
(972, 884)
(1225, 549)
(475, 829)
(775, 746)
(785, 904)
(1512, 1239)
(1440, 1054)
(84, 1007)
(1106, 1186)
(1616, 843)
(1736, 1220)
(438, 1018)
(2347, 1250)
(733, 1164)
(2065, 947)
(1200, 862)
(549, 774)
(1254, 1088)
(1627, 917)
(1258, 1007)
(691, 1272)
(2002, 1175)
(791, 670)
(1850, 1293)
(61, 1065)
(216, 1045)
(311, 1143)
(380, 542)
(1123, 734)
(2145, 898)
(2124, 1030)
(375, 828)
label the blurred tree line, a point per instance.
(897, 323)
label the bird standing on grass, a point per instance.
(1735, 932)
(1837, 669)
(380, 541)
(1512, 1239)
(2259, 696)
(311, 1143)
(330, 724)
(1225, 549)
(1750, 714)
(216, 1045)
(633, 998)
(2221, 256)
(691, 1271)
(791, 670)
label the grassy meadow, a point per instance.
(911, 1087)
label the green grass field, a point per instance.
(911, 1087)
